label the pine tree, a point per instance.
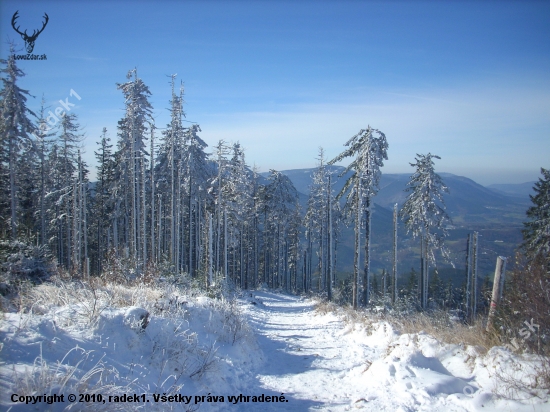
(42, 148)
(424, 214)
(280, 198)
(104, 199)
(411, 287)
(169, 169)
(196, 172)
(375, 286)
(369, 147)
(133, 156)
(217, 189)
(436, 289)
(317, 218)
(15, 134)
(237, 190)
(536, 234)
(63, 166)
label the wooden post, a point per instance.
(498, 286)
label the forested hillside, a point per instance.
(175, 232)
(162, 197)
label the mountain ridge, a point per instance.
(467, 201)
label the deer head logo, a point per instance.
(29, 40)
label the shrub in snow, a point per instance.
(20, 262)
(84, 376)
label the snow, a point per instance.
(266, 344)
(321, 363)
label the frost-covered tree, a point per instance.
(132, 157)
(320, 224)
(239, 203)
(217, 189)
(537, 230)
(369, 150)
(293, 241)
(280, 198)
(169, 180)
(43, 142)
(316, 218)
(254, 224)
(424, 214)
(80, 217)
(104, 199)
(63, 167)
(196, 174)
(15, 129)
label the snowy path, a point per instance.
(319, 363)
(309, 357)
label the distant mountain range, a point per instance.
(497, 212)
(467, 201)
(522, 190)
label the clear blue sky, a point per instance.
(468, 81)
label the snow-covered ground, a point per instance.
(320, 363)
(268, 346)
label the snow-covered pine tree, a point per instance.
(64, 192)
(153, 198)
(215, 189)
(81, 213)
(256, 212)
(133, 154)
(28, 190)
(320, 223)
(536, 234)
(238, 201)
(293, 240)
(280, 198)
(197, 173)
(369, 149)
(168, 171)
(424, 214)
(330, 280)
(317, 216)
(42, 148)
(104, 199)
(16, 128)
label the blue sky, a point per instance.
(468, 81)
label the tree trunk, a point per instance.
(225, 246)
(330, 229)
(153, 256)
(468, 276)
(143, 213)
(210, 280)
(422, 267)
(366, 275)
(356, 257)
(13, 188)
